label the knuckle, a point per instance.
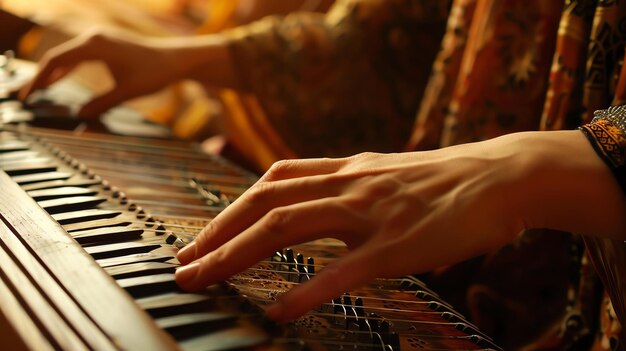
(95, 36)
(276, 220)
(408, 201)
(260, 192)
(210, 227)
(367, 154)
(329, 181)
(364, 156)
(357, 203)
(202, 238)
(98, 38)
(364, 161)
(217, 258)
(377, 187)
(279, 169)
(381, 188)
(51, 57)
(330, 163)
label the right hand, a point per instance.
(137, 65)
(408, 213)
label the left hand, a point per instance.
(139, 65)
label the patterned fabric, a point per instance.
(563, 108)
(609, 258)
(609, 329)
(607, 134)
(338, 84)
(608, 139)
(438, 95)
(392, 75)
(501, 85)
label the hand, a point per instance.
(139, 65)
(404, 213)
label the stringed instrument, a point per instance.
(89, 229)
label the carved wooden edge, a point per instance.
(69, 298)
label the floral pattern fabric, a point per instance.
(393, 75)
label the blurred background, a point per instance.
(188, 110)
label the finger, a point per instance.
(289, 169)
(280, 228)
(46, 77)
(252, 206)
(56, 64)
(354, 270)
(102, 103)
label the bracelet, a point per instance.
(607, 135)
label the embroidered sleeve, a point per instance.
(607, 134)
(338, 83)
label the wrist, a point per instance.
(562, 184)
(205, 59)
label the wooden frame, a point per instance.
(54, 294)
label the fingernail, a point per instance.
(275, 311)
(187, 253)
(187, 273)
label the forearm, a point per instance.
(206, 59)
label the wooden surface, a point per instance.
(59, 290)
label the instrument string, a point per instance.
(350, 315)
(156, 172)
(106, 140)
(211, 169)
(350, 295)
(148, 160)
(349, 345)
(349, 311)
